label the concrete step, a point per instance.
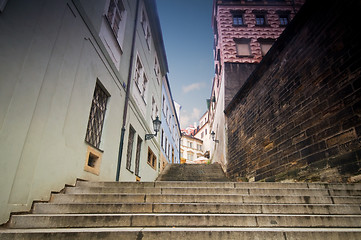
(190, 198)
(52, 208)
(184, 233)
(244, 185)
(181, 220)
(205, 190)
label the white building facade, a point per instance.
(78, 80)
(191, 149)
(203, 134)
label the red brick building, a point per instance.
(244, 31)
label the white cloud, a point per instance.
(187, 119)
(193, 86)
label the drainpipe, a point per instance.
(127, 93)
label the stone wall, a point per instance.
(297, 117)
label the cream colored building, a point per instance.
(79, 80)
(204, 134)
(191, 149)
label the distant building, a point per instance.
(191, 150)
(190, 131)
(203, 134)
(170, 133)
(244, 31)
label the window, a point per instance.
(283, 20)
(199, 147)
(137, 157)
(93, 160)
(156, 69)
(205, 132)
(152, 159)
(242, 47)
(130, 147)
(154, 109)
(138, 72)
(190, 144)
(265, 46)
(146, 28)
(115, 15)
(140, 79)
(166, 114)
(144, 86)
(190, 156)
(163, 106)
(96, 116)
(166, 145)
(172, 155)
(162, 139)
(260, 20)
(238, 20)
(202, 135)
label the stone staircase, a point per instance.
(194, 210)
(193, 172)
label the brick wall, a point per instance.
(298, 116)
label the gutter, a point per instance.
(126, 104)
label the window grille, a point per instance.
(130, 147)
(115, 14)
(137, 157)
(96, 117)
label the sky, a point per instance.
(188, 40)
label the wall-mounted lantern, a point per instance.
(156, 127)
(213, 137)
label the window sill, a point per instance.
(91, 145)
(263, 26)
(150, 165)
(113, 34)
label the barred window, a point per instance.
(96, 116)
(140, 78)
(137, 157)
(130, 147)
(146, 28)
(115, 15)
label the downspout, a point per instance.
(127, 93)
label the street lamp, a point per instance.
(213, 137)
(156, 127)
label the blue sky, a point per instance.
(188, 40)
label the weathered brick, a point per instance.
(327, 133)
(342, 138)
(313, 148)
(353, 121)
(307, 102)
